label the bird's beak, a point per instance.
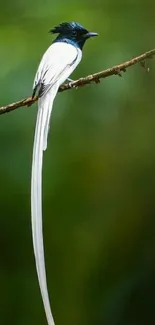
(90, 34)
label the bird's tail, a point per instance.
(45, 104)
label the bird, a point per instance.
(56, 65)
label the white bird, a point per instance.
(56, 65)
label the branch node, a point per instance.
(144, 66)
(118, 72)
(97, 80)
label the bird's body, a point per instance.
(58, 62)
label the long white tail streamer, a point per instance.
(40, 144)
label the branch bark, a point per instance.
(116, 70)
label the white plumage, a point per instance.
(58, 62)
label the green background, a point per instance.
(99, 169)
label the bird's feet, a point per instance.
(70, 82)
(69, 79)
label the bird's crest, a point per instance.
(68, 27)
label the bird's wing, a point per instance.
(57, 64)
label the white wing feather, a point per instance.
(58, 62)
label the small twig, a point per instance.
(116, 70)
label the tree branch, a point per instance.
(116, 70)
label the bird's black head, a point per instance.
(72, 33)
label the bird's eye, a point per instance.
(74, 33)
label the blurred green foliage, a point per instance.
(99, 170)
